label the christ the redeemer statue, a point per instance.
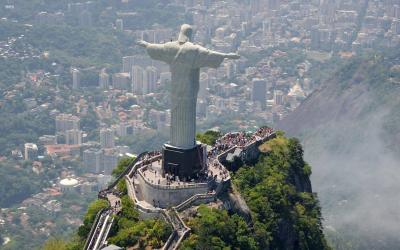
(185, 60)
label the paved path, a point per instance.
(115, 202)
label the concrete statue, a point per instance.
(185, 60)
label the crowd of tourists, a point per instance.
(229, 140)
(240, 139)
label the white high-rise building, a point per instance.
(127, 63)
(31, 151)
(73, 137)
(137, 79)
(93, 160)
(110, 161)
(76, 78)
(121, 81)
(278, 97)
(123, 129)
(150, 80)
(230, 69)
(107, 138)
(65, 122)
(104, 80)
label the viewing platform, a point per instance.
(152, 189)
(156, 194)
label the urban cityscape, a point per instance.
(94, 112)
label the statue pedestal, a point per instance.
(185, 163)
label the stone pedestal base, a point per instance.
(185, 163)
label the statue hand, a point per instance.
(232, 56)
(142, 43)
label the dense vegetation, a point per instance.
(121, 166)
(129, 231)
(284, 212)
(216, 229)
(118, 170)
(25, 127)
(18, 181)
(209, 137)
(90, 216)
(78, 240)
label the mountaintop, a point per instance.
(350, 128)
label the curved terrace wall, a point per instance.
(167, 196)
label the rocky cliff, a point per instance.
(350, 128)
(276, 190)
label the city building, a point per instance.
(47, 140)
(69, 185)
(31, 151)
(76, 79)
(123, 129)
(278, 97)
(259, 92)
(127, 64)
(107, 138)
(65, 122)
(62, 150)
(110, 161)
(137, 79)
(121, 81)
(73, 136)
(149, 80)
(93, 160)
(104, 80)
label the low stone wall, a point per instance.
(168, 197)
(224, 185)
(184, 185)
(248, 156)
(196, 200)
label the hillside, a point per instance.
(284, 213)
(350, 128)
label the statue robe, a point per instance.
(185, 61)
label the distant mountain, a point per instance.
(350, 128)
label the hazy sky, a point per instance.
(357, 183)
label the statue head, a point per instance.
(186, 33)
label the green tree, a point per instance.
(279, 196)
(90, 216)
(55, 244)
(215, 229)
(209, 137)
(121, 166)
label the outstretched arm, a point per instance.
(228, 55)
(156, 51)
(142, 43)
(210, 58)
